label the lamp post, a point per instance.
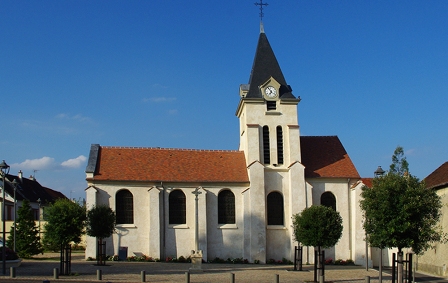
(4, 170)
(38, 215)
(378, 173)
(14, 185)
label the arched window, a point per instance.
(177, 207)
(226, 207)
(266, 148)
(328, 199)
(279, 145)
(124, 203)
(275, 209)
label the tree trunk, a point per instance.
(400, 266)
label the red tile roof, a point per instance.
(322, 156)
(438, 178)
(368, 182)
(325, 156)
(170, 165)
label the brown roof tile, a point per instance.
(325, 156)
(170, 165)
(438, 178)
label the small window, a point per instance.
(275, 209)
(226, 207)
(177, 207)
(279, 145)
(266, 148)
(271, 105)
(124, 207)
(328, 199)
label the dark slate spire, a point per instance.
(265, 66)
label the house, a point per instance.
(435, 260)
(243, 199)
(18, 189)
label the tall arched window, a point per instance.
(266, 148)
(279, 145)
(226, 207)
(328, 199)
(124, 203)
(275, 209)
(177, 207)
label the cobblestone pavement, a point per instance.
(86, 271)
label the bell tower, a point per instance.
(270, 139)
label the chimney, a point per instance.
(20, 175)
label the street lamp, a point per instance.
(4, 170)
(14, 185)
(38, 215)
(378, 173)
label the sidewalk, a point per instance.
(86, 271)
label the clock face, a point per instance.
(270, 92)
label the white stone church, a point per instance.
(247, 196)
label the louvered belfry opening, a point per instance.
(271, 105)
(279, 145)
(266, 147)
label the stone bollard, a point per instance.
(99, 275)
(232, 277)
(12, 272)
(143, 276)
(276, 278)
(187, 277)
(367, 279)
(56, 273)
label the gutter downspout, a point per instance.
(349, 219)
(163, 232)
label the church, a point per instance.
(230, 203)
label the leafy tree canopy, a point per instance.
(100, 221)
(399, 211)
(318, 226)
(65, 222)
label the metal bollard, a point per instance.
(276, 278)
(367, 279)
(12, 272)
(187, 277)
(98, 274)
(143, 275)
(321, 279)
(56, 273)
(232, 277)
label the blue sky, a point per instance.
(165, 73)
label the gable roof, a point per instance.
(438, 178)
(168, 165)
(325, 157)
(31, 190)
(264, 66)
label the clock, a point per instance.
(270, 91)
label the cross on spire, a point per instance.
(261, 4)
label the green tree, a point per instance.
(318, 226)
(27, 233)
(100, 224)
(399, 211)
(65, 222)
